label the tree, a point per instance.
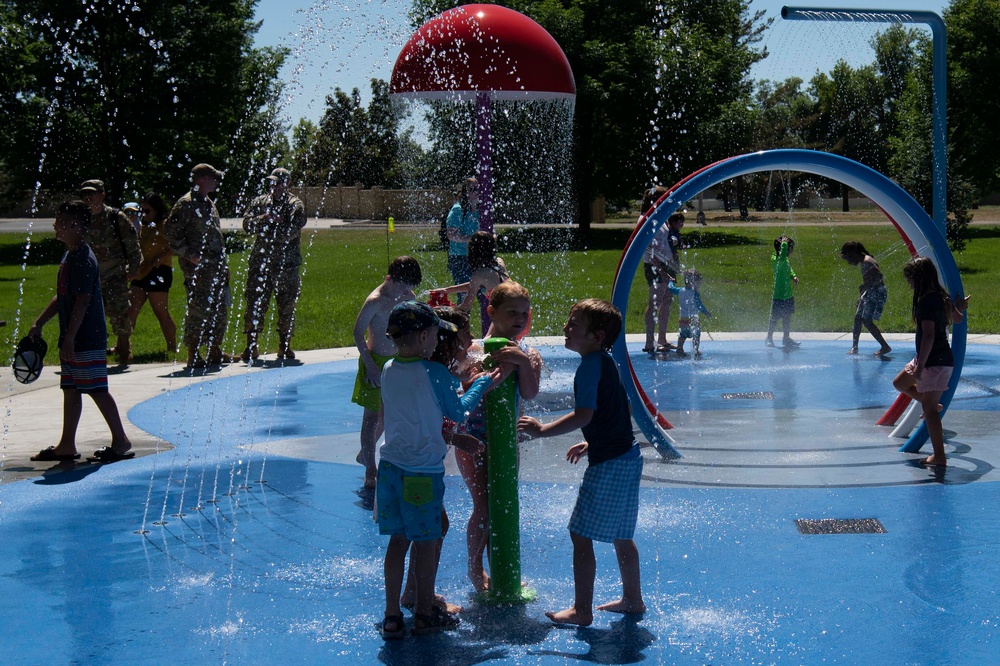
(303, 137)
(910, 163)
(973, 96)
(356, 145)
(136, 92)
(848, 112)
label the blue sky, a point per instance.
(347, 42)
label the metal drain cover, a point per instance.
(756, 395)
(840, 526)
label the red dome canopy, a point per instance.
(482, 48)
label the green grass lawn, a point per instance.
(342, 266)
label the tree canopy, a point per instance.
(135, 92)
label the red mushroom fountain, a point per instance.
(482, 52)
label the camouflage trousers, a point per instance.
(284, 283)
(115, 292)
(208, 298)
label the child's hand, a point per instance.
(530, 426)
(67, 350)
(373, 375)
(467, 443)
(576, 452)
(795, 280)
(962, 304)
(497, 375)
(510, 354)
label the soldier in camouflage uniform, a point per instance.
(276, 219)
(195, 235)
(115, 244)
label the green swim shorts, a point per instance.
(365, 394)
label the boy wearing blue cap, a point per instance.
(416, 395)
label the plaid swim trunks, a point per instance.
(607, 506)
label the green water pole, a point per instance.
(501, 459)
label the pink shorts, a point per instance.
(934, 378)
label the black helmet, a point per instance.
(28, 359)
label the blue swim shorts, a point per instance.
(409, 503)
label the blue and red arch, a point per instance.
(920, 234)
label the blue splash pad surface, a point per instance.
(276, 560)
(314, 400)
(288, 570)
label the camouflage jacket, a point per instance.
(193, 228)
(277, 226)
(115, 244)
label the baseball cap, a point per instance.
(203, 169)
(28, 359)
(280, 175)
(131, 207)
(89, 186)
(413, 317)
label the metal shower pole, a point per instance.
(939, 104)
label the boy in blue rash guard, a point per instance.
(607, 507)
(416, 394)
(691, 307)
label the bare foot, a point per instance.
(571, 616)
(451, 609)
(934, 461)
(480, 579)
(852, 351)
(883, 351)
(406, 601)
(625, 606)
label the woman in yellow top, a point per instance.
(156, 272)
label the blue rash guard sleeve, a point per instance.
(701, 306)
(446, 387)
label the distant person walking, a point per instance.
(276, 220)
(114, 242)
(195, 235)
(156, 272)
(463, 221)
(82, 340)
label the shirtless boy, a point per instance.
(375, 349)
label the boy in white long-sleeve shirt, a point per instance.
(416, 395)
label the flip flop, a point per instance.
(109, 455)
(50, 455)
